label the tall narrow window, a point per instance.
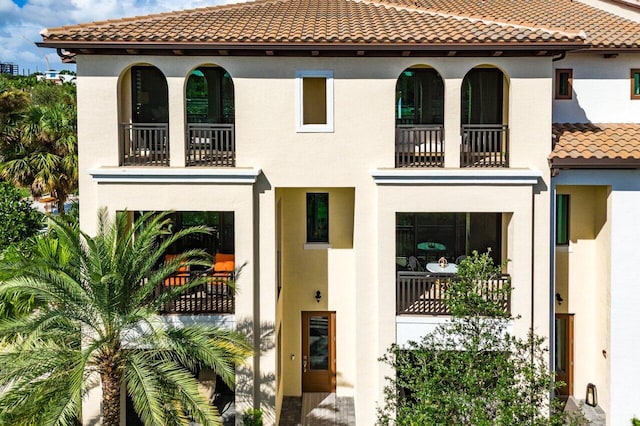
(564, 81)
(419, 97)
(562, 219)
(314, 101)
(482, 96)
(149, 95)
(317, 217)
(635, 84)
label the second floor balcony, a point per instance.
(484, 132)
(210, 145)
(144, 144)
(484, 145)
(209, 125)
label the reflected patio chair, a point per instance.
(414, 264)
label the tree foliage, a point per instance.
(18, 219)
(98, 322)
(471, 371)
(38, 142)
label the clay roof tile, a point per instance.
(349, 21)
(600, 142)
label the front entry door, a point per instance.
(564, 352)
(318, 352)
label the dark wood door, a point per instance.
(318, 352)
(564, 352)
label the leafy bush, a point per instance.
(471, 371)
(252, 417)
(18, 219)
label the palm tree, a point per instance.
(43, 154)
(98, 318)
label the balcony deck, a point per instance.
(484, 145)
(144, 144)
(215, 296)
(420, 293)
(419, 145)
(210, 145)
(422, 145)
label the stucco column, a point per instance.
(452, 122)
(176, 121)
(265, 297)
(245, 295)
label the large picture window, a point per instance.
(317, 217)
(427, 237)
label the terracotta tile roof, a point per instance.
(602, 29)
(584, 145)
(431, 22)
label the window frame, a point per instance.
(633, 85)
(567, 217)
(314, 128)
(309, 198)
(559, 72)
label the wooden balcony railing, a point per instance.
(211, 145)
(419, 293)
(144, 144)
(484, 145)
(419, 145)
(214, 296)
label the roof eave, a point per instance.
(610, 49)
(594, 163)
(445, 47)
(67, 50)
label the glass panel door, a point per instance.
(318, 352)
(319, 342)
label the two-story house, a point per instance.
(339, 149)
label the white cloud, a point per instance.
(20, 27)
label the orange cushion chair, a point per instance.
(224, 266)
(180, 277)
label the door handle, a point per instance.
(304, 364)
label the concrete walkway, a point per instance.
(318, 409)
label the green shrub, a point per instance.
(252, 417)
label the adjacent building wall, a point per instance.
(601, 89)
(614, 330)
(583, 272)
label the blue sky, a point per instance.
(22, 20)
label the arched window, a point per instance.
(482, 96)
(210, 118)
(419, 113)
(485, 133)
(144, 116)
(210, 96)
(419, 97)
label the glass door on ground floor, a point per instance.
(318, 351)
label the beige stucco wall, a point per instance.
(342, 162)
(305, 270)
(583, 271)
